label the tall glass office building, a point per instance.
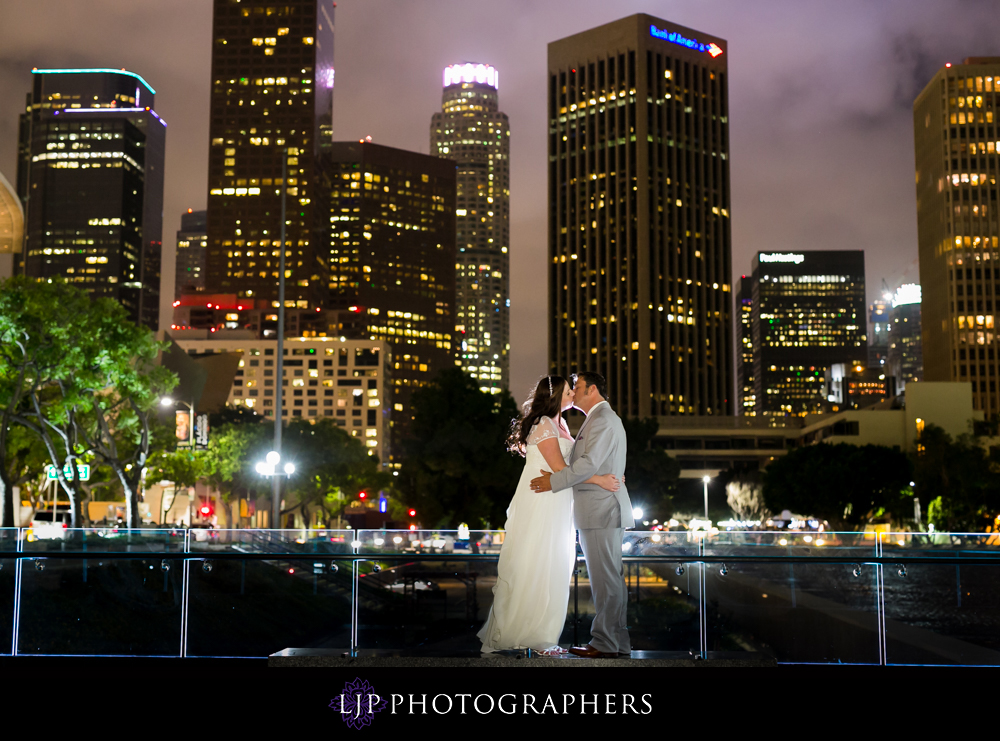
(639, 206)
(807, 317)
(745, 394)
(957, 143)
(905, 357)
(90, 176)
(471, 130)
(192, 243)
(272, 89)
(391, 250)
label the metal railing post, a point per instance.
(185, 586)
(576, 604)
(355, 594)
(19, 547)
(702, 603)
(880, 602)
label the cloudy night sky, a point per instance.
(820, 106)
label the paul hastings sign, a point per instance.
(359, 703)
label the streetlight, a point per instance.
(276, 480)
(269, 466)
(705, 480)
(169, 401)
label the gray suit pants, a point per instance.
(602, 547)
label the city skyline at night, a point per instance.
(791, 186)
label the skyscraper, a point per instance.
(472, 131)
(11, 228)
(639, 233)
(745, 395)
(272, 89)
(808, 329)
(192, 240)
(392, 255)
(905, 360)
(90, 177)
(878, 331)
(957, 159)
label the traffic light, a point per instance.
(362, 495)
(413, 513)
(206, 509)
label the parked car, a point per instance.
(50, 525)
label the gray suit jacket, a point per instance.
(599, 449)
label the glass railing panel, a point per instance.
(8, 579)
(459, 542)
(434, 600)
(255, 607)
(100, 605)
(807, 612)
(947, 613)
(664, 591)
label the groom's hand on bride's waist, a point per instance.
(542, 483)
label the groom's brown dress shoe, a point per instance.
(589, 652)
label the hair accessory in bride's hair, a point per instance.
(549, 378)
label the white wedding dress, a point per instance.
(536, 559)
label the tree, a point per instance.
(847, 485)
(129, 386)
(233, 452)
(329, 466)
(184, 467)
(456, 466)
(42, 342)
(651, 473)
(24, 462)
(957, 479)
(745, 497)
(77, 374)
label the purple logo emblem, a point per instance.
(358, 703)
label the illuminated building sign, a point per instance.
(675, 38)
(481, 73)
(908, 293)
(781, 257)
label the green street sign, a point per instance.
(82, 469)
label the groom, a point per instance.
(600, 516)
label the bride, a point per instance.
(539, 547)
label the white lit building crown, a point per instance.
(485, 74)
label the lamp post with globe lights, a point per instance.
(276, 480)
(271, 466)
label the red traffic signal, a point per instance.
(362, 495)
(206, 510)
(413, 513)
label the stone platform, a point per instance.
(340, 658)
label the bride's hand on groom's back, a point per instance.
(608, 482)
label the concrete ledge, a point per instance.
(338, 658)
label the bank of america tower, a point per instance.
(471, 130)
(639, 233)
